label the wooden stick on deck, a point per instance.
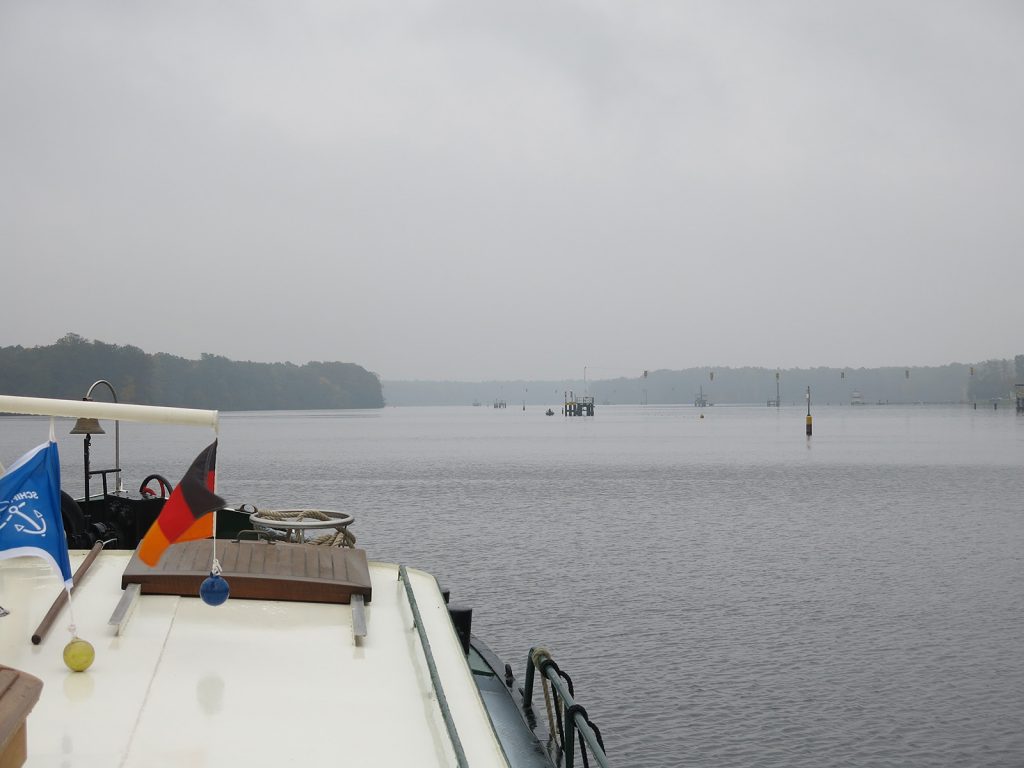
(62, 598)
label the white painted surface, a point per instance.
(249, 683)
(151, 414)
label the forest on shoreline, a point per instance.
(68, 367)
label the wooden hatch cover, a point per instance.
(257, 570)
(19, 692)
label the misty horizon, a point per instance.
(587, 373)
(469, 191)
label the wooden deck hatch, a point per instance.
(19, 692)
(257, 570)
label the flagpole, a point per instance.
(65, 595)
(215, 589)
(215, 566)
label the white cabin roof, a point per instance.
(248, 683)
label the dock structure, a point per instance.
(1019, 392)
(500, 404)
(700, 401)
(582, 405)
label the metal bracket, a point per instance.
(358, 618)
(123, 612)
(257, 535)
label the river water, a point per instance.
(723, 591)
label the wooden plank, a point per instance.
(19, 692)
(298, 565)
(259, 557)
(171, 558)
(243, 562)
(278, 562)
(312, 566)
(229, 560)
(14, 750)
(201, 560)
(340, 563)
(326, 562)
(8, 677)
(358, 568)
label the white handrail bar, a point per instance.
(151, 414)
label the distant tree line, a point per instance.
(67, 368)
(953, 383)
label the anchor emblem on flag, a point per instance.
(34, 526)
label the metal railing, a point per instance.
(435, 678)
(574, 715)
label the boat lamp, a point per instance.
(87, 427)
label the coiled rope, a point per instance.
(342, 538)
(298, 515)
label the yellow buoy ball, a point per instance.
(79, 655)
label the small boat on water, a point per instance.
(549, 412)
(319, 654)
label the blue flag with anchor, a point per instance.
(30, 520)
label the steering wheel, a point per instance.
(165, 487)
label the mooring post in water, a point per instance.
(808, 411)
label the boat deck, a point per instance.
(252, 682)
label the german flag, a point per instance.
(185, 515)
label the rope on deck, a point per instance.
(298, 515)
(342, 538)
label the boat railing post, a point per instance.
(574, 715)
(569, 745)
(528, 680)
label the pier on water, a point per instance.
(578, 406)
(700, 401)
(500, 404)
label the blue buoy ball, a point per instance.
(214, 590)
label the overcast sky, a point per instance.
(476, 190)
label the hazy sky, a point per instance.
(482, 190)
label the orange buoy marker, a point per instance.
(809, 428)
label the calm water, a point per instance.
(723, 592)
